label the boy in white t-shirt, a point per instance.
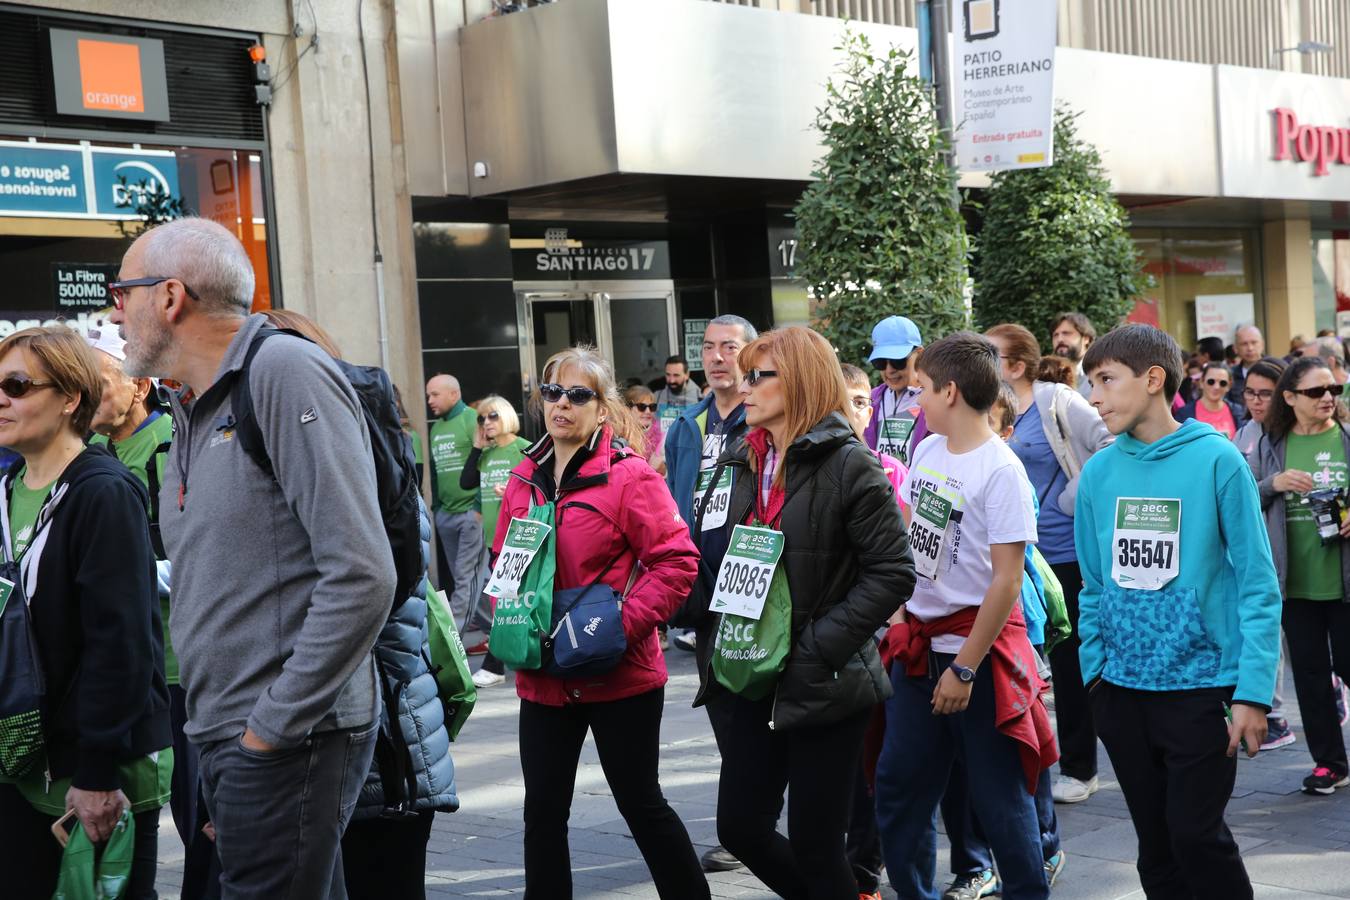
(964, 674)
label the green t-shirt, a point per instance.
(135, 453)
(146, 782)
(451, 442)
(494, 468)
(24, 505)
(1314, 571)
(417, 447)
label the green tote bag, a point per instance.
(106, 878)
(519, 623)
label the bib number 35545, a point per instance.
(1146, 543)
(928, 532)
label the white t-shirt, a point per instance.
(991, 504)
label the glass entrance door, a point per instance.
(554, 322)
(641, 334)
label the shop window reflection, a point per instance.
(1187, 263)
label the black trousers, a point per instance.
(1169, 750)
(1073, 713)
(817, 766)
(1318, 632)
(627, 736)
(30, 857)
(386, 859)
(863, 843)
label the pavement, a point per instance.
(1296, 847)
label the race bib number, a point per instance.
(522, 543)
(712, 449)
(928, 532)
(893, 437)
(746, 572)
(715, 510)
(666, 414)
(1145, 548)
(6, 589)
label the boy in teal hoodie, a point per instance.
(1179, 615)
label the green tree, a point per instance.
(878, 233)
(153, 205)
(1055, 240)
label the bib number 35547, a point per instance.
(1146, 543)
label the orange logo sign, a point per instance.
(110, 76)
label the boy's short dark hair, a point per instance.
(1211, 347)
(677, 359)
(968, 360)
(854, 376)
(1138, 348)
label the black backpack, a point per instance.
(395, 473)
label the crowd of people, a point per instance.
(883, 586)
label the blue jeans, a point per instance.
(970, 848)
(912, 775)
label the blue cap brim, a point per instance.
(892, 351)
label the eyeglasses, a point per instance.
(119, 290)
(861, 403)
(1315, 393)
(19, 385)
(1215, 381)
(579, 396)
(896, 364)
(1250, 394)
(494, 416)
(755, 376)
(643, 407)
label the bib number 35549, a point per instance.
(1146, 543)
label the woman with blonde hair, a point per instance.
(642, 402)
(78, 556)
(800, 692)
(614, 524)
(497, 449)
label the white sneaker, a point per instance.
(1071, 790)
(485, 679)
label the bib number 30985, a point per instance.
(522, 543)
(1146, 543)
(747, 571)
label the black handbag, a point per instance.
(21, 681)
(586, 634)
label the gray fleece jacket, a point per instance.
(1074, 429)
(279, 586)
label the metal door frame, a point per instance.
(601, 295)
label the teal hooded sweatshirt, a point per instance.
(1217, 623)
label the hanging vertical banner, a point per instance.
(1003, 83)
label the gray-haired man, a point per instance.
(280, 585)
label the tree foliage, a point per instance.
(1055, 240)
(878, 233)
(153, 205)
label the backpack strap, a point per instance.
(152, 482)
(246, 429)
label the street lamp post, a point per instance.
(1306, 48)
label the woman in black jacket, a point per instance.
(75, 520)
(847, 567)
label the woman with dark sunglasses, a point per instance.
(1302, 465)
(643, 403)
(77, 552)
(897, 423)
(1213, 406)
(615, 524)
(497, 449)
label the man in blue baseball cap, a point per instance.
(895, 427)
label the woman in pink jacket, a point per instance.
(611, 510)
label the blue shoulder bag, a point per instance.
(587, 635)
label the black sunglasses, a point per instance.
(1213, 381)
(755, 376)
(19, 385)
(579, 396)
(494, 416)
(1257, 395)
(119, 290)
(1315, 393)
(644, 407)
(896, 364)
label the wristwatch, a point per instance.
(966, 675)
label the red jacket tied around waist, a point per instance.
(1018, 686)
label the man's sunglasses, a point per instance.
(1215, 381)
(119, 290)
(494, 416)
(1315, 393)
(896, 364)
(644, 407)
(17, 385)
(755, 376)
(579, 396)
